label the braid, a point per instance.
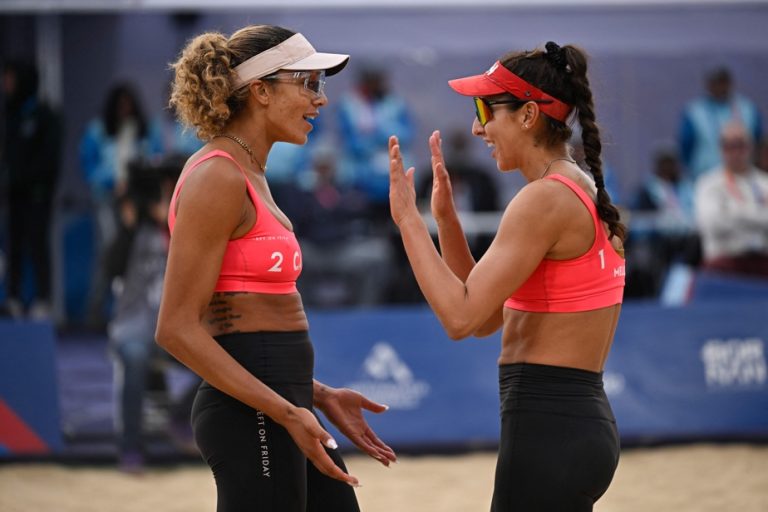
(562, 72)
(590, 136)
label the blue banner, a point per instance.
(29, 405)
(673, 373)
(440, 392)
(698, 371)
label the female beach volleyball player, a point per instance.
(553, 278)
(230, 308)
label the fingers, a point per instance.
(392, 142)
(372, 406)
(370, 443)
(383, 447)
(409, 175)
(323, 461)
(396, 158)
(325, 464)
(365, 445)
(439, 172)
(435, 145)
(322, 435)
(306, 431)
(374, 448)
(396, 163)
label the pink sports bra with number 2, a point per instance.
(267, 259)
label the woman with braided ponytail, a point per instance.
(552, 279)
(230, 309)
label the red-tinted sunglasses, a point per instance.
(483, 107)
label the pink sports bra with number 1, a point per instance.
(593, 280)
(267, 259)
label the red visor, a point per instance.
(499, 80)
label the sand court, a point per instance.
(691, 478)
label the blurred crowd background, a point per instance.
(89, 151)
(85, 109)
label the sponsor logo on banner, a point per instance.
(734, 363)
(613, 383)
(387, 379)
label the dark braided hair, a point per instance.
(562, 73)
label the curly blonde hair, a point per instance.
(203, 92)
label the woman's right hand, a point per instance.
(310, 437)
(442, 193)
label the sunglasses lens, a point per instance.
(316, 86)
(482, 110)
(315, 83)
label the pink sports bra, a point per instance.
(267, 259)
(593, 280)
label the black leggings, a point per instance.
(256, 464)
(559, 444)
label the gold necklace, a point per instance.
(546, 169)
(246, 147)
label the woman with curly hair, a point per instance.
(230, 308)
(552, 279)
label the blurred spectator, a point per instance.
(368, 116)
(31, 151)
(663, 227)
(108, 144)
(292, 163)
(339, 247)
(174, 139)
(289, 163)
(762, 155)
(732, 208)
(137, 267)
(704, 117)
(669, 194)
(473, 187)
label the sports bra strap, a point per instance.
(212, 154)
(588, 202)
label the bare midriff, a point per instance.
(230, 312)
(574, 340)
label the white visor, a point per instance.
(295, 54)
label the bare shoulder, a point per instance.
(211, 198)
(217, 175)
(542, 200)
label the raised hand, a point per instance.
(344, 408)
(310, 437)
(402, 193)
(442, 192)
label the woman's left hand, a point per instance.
(402, 193)
(344, 408)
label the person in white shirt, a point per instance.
(731, 203)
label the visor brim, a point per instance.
(332, 63)
(478, 85)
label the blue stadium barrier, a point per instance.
(29, 405)
(696, 372)
(713, 286)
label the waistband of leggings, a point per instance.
(553, 389)
(275, 357)
(552, 373)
